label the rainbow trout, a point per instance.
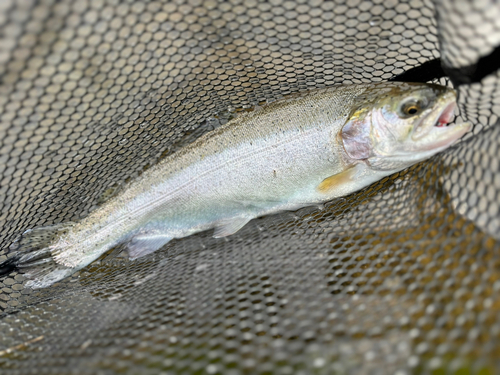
(295, 152)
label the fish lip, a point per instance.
(431, 132)
(436, 118)
(446, 115)
(439, 137)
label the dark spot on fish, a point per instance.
(274, 172)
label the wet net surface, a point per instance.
(402, 277)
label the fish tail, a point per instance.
(32, 256)
(8, 266)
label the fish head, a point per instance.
(396, 125)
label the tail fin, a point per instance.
(9, 266)
(32, 256)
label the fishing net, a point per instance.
(402, 277)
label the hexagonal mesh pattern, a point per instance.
(402, 277)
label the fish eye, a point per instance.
(411, 108)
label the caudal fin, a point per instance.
(32, 256)
(8, 266)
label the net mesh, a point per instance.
(402, 277)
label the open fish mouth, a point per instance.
(446, 115)
(435, 130)
(436, 118)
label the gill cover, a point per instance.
(355, 135)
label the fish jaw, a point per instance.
(439, 116)
(442, 137)
(434, 133)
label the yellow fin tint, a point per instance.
(337, 180)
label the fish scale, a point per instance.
(295, 152)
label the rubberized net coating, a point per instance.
(402, 277)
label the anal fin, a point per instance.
(147, 243)
(230, 226)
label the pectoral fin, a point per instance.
(339, 179)
(230, 226)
